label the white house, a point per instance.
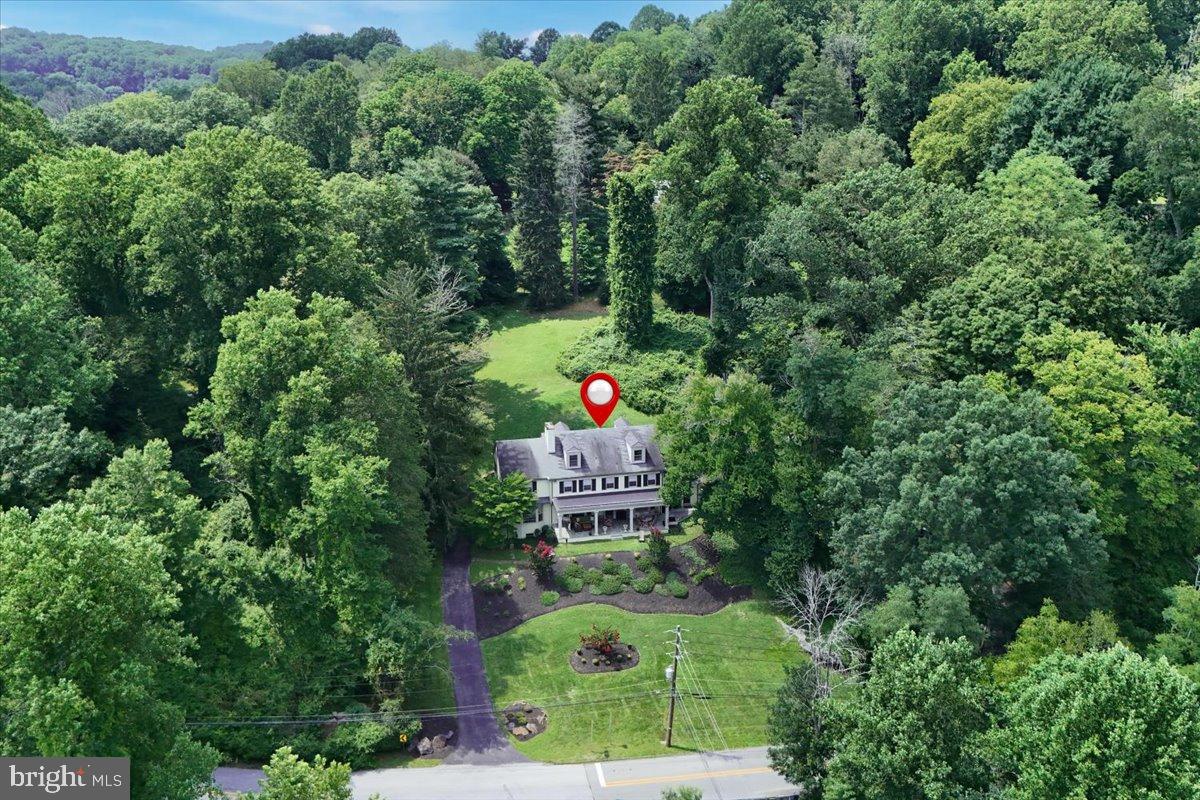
(601, 482)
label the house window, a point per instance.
(573, 460)
(639, 455)
(630, 480)
(610, 483)
(588, 485)
(652, 480)
(566, 487)
(533, 486)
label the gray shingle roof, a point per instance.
(605, 451)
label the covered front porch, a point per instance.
(611, 516)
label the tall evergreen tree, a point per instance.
(537, 245)
(631, 255)
(417, 319)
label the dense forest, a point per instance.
(60, 72)
(941, 259)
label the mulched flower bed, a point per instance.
(497, 612)
(588, 660)
(522, 720)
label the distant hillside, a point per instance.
(61, 71)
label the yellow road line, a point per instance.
(691, 776)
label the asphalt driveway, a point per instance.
(479, 739)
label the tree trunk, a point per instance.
(712, 299)
(575, 253)
(1172, 210)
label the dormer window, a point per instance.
(639, 455)
(573, 460)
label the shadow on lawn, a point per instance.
(520, 413)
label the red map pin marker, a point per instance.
(600, 393)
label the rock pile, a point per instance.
(523, 720)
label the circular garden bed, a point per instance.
(589, 660)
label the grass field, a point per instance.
(487, 563)
(737, 655)
(519, 381)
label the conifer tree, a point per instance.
(538, 242)
(631, 255)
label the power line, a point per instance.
(375, 716)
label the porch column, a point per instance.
(666, 519)
(595, 523)
(631, 528)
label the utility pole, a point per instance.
(671, 672)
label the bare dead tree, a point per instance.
(573, 158)
(821, 614)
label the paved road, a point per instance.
(735, 775)
(478, 740)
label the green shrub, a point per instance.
(701, 574)
(521, 582)
(625, 573)
(676, 587)
(550, 598)
(655, 575)
(575, 570)
(694, 557)
(608, 584)
(611, 567)
(571, 584)
(649, 376)
(644, 585)
(593, 576)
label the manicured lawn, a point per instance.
(487, 563)
(520, 382)
(739, 650)
(434, 689)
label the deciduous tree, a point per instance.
(1104, 725)
(319, 112)
(963, 485)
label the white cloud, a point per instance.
(532, 36)
(320, 27)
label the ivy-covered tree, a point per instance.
(631, 255)
(537, 240)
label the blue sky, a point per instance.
(209, 23)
